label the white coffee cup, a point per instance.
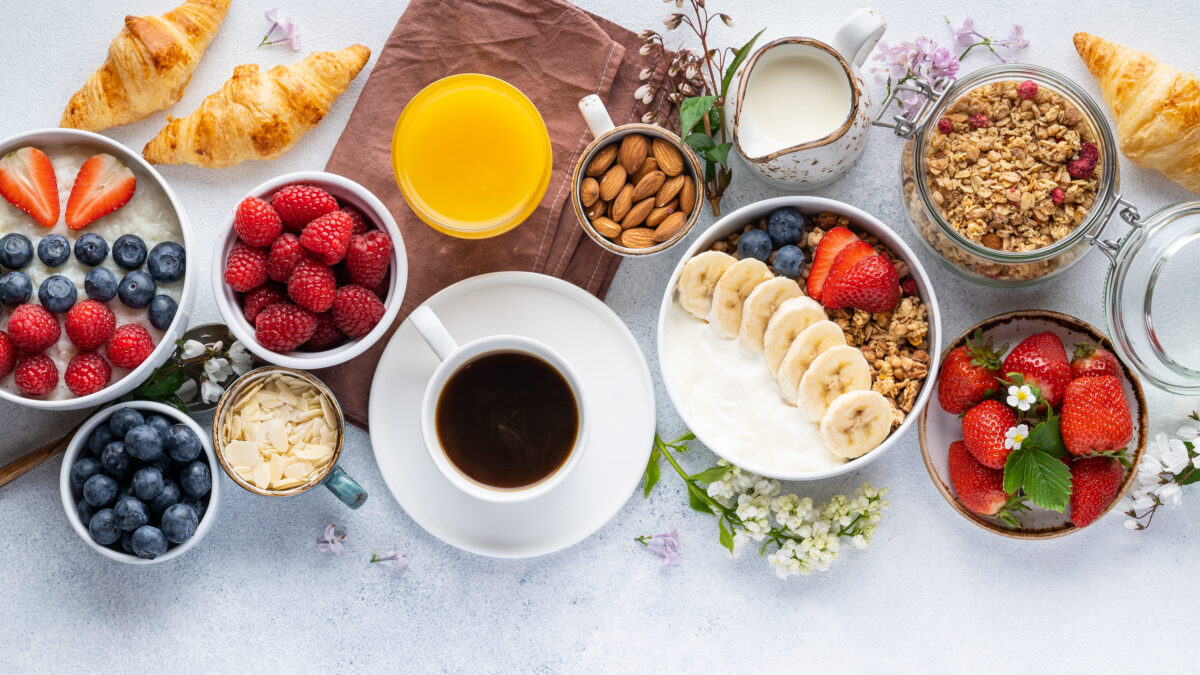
(453, 358)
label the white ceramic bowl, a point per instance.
(76, 446)
(860, 221)
(346, 191)
(187, 297)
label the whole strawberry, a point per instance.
(326, 335)
(89, 324)
(356, 310)
(32, 328)
(328, 236)
(984, 430)
(246, 267)
(1092, 360)
(312, 286)
(8, 355)
(1094, 483)
(257, 299)
(36, 375)
(969, 374)
(1095, 415)
(282, 328)
(1042, 361)
(368, 258)
(256, 222)
(87, 373)
(980, 488)
(129, 346)
(299, 205)
(870, 285)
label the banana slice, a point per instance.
(856, 423)
(699, 278)
(788, 321)
(761, 306)
(807, 346)
(729, 296)
(834, 372)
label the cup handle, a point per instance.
(346, 488)
(858, 36)
(434, 331)
(596, 115)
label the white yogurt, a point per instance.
(730, 399)
(148, 215)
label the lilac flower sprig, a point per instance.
(921, 59)
(290, 34)
(332, 541)
(967, 38)
(665, 545)
(395, 556)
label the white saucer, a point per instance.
(619, 391)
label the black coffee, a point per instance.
(507, 420)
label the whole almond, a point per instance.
(621, 203)
(634, 149)
(648, 185)
(637, 214)
(602, 160)
(648, 165)
(668, 190)
(606, 227)
(687, 196)
(670, 227)
(669, 160)
(589, 191)
(596, 210)
(612, 182)
(658, 215)
(638, 237)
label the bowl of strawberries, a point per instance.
(311, 271)
(1038, 428)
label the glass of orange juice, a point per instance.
(471, 155)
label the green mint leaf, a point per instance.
(1047, 437)
(726, 536)
(692, 110)
(1046, 480)
(698, 499)
(712, 475)
(699, 141)
(653, 472)
(738, 57)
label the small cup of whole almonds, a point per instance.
(637, 187)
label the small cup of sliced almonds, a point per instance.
(637, 188)
(278, 432)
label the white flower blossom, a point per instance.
(1021, 397)
(1015, 436)
(1188, 432)
(1169, 493)
(209, 391)
(1131, 524)
(240, 357)
(218, 369)
(191, 349)
(1174, 456)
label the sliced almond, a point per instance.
(687, 196)
(669, 159)
(669, 189)
(638, 237)
(606, 227)
(612, 182)
(648, 185)
(637, 214)
(634, 149)
(622, 202)
(589, 191)
(648, 165)
(670, 227)
(601, 160)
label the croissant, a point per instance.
(1157, 108)
(148, 66)
(258, 115)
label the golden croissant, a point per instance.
(1157, 108)
(258, 115)
(149, 64)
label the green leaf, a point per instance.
(712, 475)
(1046, 480)
(1188, 476)
(698, 499)
(718, 153)
(699, 141)
(737, 61)
(653, 472)
(710, 171)
(1047, 437)
(168, 385)
(175, 402)
(726, 536)
(692, 110)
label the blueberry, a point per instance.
(100, 284)
(15, 289)
(179, 523)
(127, 542)
(125, 491)
(91, 249)
(115, 459)
(754, 244)
(162, 311)
(136, 289)
(53, 250)
(171, 494)
(147, 483)
(789, 260)
(103, 527)
(144, 442)
(198, 504)
(164, 465)
(100, 490)
(149, 542)
(85, 511)
(123, 420)
(131, 513)
(167, 262)
(196, 479)
(785, 226)
(182, 444)
(83, 470)
(101, 436)
(129, 251)
(15, 251)
(57, 293)
(159, 422)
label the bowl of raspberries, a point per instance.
(310, 270)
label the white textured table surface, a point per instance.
(932, 592)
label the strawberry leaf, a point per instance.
(1045, 480)
(1047, 437)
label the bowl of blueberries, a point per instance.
(138, 482)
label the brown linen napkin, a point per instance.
(556, 54)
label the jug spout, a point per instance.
(858, 35)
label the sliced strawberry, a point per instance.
(831, 244)
(27, 181)
(102, 186)
(846, 258)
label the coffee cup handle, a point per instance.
(431, 328)
(346, 488)
(596, 115)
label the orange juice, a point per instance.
(471, 155)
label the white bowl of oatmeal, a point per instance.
(727, 394)
(154, 214)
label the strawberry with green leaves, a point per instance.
(969, 374)
(1092, 360)
(1041, 360)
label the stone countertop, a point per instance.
(932, 592)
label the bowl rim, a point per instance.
(232, 314)
(1072, 323)
(187, 295)
(863, 221)
(75, 447)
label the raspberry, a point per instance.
(1089, 151)
(356, 310)
(89, 324)
(312, 286)
(1027, 89)
(945, 125)
(1057, 195)
(286, 252)
(382, 289)
(246, 268)
(326, 335)
(298, 205)
(32, 328)
(256, 222)
(260, 298)
(8, 355)
(368, 257)
(87, 373)
(908, 286)
(1081, 168)
(328, 236)
(356, 216)
(36, 375)
(979, 121)
(283, 328)
(129, 346)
